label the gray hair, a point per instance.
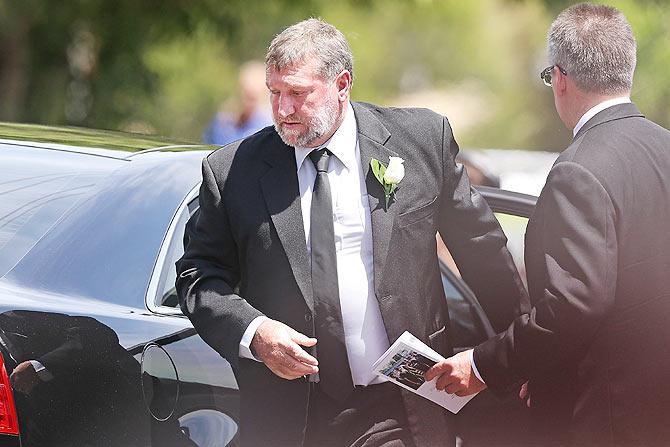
(311, 38)
(595, 45)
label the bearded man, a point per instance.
(302, 265)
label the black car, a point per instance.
(95, 350)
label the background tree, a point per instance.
(165, 66)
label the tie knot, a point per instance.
(320, 159)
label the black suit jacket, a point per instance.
(245, 256)
(595, 345)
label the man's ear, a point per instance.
(560, 82)
(343, 83)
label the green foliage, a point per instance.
(166, 66)
(191, 76)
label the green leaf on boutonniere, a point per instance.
(378, 169)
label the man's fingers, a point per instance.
(279, 347)
(301, 355)
(297, 352)
(287, 367)
(454, 387)
(302, 339)
(433, 372)
(294, 369)
(444, 381)
(437, 369)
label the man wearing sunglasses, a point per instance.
(593, 351)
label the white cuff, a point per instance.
(43, 373)
(248, 336)
(474, 367)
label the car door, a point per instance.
(488, 420)
(207, 408)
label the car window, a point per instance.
(37, 188)
(166, 295)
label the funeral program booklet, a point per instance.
(405, 364)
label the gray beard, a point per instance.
(320, 124)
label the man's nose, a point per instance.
(285, 106)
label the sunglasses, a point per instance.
(545, 74)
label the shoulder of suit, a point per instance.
(253, 146)
(610, 150)
(590, 157)
(615, 141)
(401, 114)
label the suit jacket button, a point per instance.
(308, 317)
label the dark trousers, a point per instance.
(372, 416)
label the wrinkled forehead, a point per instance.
(304, 70)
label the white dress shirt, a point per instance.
(365, 335)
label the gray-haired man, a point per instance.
(299, 271)
(595, 346)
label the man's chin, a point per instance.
(289, 139)
(295, 139)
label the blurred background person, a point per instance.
(249, 113)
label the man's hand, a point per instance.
(279, 347)
(455, 375)
(24, 378)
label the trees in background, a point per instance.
(165, 66)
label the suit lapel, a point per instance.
(372, 135)
(282, 197)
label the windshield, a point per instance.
(37, 187)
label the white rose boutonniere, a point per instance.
(389, 176)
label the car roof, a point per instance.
(105, 143)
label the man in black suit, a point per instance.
(595, 345)
(300, 269)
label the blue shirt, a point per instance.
(223, 129)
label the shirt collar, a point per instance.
(598, 108)
(342, 144)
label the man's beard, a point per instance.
(319, 125)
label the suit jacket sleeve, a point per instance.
(474, 238)
(209, 272)
(572, 286)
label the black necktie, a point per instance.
(334, 373)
